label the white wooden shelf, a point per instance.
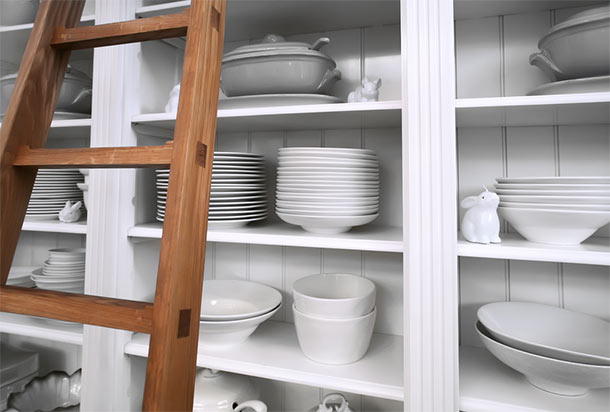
(303, 117)
(473, 9)
(69, 129)
(368, 237)
(273, 352)
(487, 385)
(41, 328)
(86, 20)
(561, 109)
(593, 251)
(55, 226)
(255, 19)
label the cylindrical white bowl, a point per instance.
(334, 295)
(334, 341)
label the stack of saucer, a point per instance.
(64, 270)
(327, 190)
(238, 194)
(52, 189)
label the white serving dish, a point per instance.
(56, 390)
(555, 227)
(575, 192)
(274, 100)
(14, 12)
(225, 334)
(553, 186)
(576, 200)
(334, 295)
(598, 84)
(326, 224)
(601, 208)
(237, 299)
(278, 67)
(556, 180)
(548, 331)
(550, 375)
(329, 212)
(334, 341)
(576, 48)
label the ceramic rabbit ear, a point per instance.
(378, 83)
(469, 202)
(365, 80)
(76, 205)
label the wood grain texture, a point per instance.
(28, 118)
(170, 375)
(94, 310)
(98, 157)
(150, 28)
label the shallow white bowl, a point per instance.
(555, 227)
(551, 375)
(576, 200)
(334, 295)
(548, 331)
(326, 224)
(224, 334)
(351, 212)
(334, 341)
(237, 299)
(561, 206)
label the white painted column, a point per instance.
(430, 222)
(106, 370)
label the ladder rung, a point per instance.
(93, 310)
(98, 157)
(149, 28)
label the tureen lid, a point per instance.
(273, 44)
(583, 17)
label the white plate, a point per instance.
(326, 224)
(237, 193)
(329, 212)
(557, 179)
(324, 198)
(325, 162)
(220, 188)
(548, 331)
(237, 299)
(273, 100)
(329, 191)
(314, 183)
(604, 193)
(238, 216)
(220, 155)
(229, 168)
(555, 206)
(258, 206)
(586, 85)
(552, 186)
(329, 176)
(327, 205)
(328, 155)
(50, 216)
(577, 200)
(331, 151)
(228, 224)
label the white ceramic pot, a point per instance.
(334, 341)
(578, 47)
(217, 391)
(278, 67)
(13, 12)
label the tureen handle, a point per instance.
(257, 406)
(321, 42)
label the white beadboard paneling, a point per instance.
(385, 270)
(478, 57)
(52, 356)
(266, 266)
(298, 397)
(587, 289)
(521, 35)
(537, 282)
(231, 142)
(530, 151)
(382, 405)
(345, 48)
(231, 261)
(301, 138)
(159, 73)
(481, 281)
(299, 262)
(342, 261)
(584, 150)
(350, 138)
(382, 59)
(562, 15)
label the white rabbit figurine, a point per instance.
(172, 103)
(369, 92)
(481, 223)
(71, 212)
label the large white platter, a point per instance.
(273, 100)
(555, 206)
(553, 186)
(557, 179)
(577, 200)
(605, 193)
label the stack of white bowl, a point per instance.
(334, 316)
(559, 351)
(64, 270)
(231, 310)
(52, 188)
(327, 190)
(238, 194)
(559, 210)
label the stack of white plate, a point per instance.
(559, 210)
(64, 270)
(231, 310)
(238, 194)
(52, 189)
(327, 190)
(559, 351)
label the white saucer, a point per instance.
(273, 100)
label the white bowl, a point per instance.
(548, 331)
(224, 334)
(575, 200)
(334, 295)
(326, 224)
(334, 341)
(551, 375)
(555, 206)
(555, 227)
(556, 179)
(330, 212)
(237, 299)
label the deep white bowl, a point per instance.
(224, 334)
(237, 299)
(555, 227)
(334, 295)
(334, 341)
(551, 375)
(326, 224)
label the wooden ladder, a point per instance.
(173, 319)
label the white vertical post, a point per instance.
(429, 206)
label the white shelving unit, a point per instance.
(41, 328)
(55, 226)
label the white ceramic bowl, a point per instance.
(326, 224)
(555, 227)
(224, 334)
(561, 206)
(548, 331)
(334, 341)
(334, 295)
(237, 299)
(551, 375)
